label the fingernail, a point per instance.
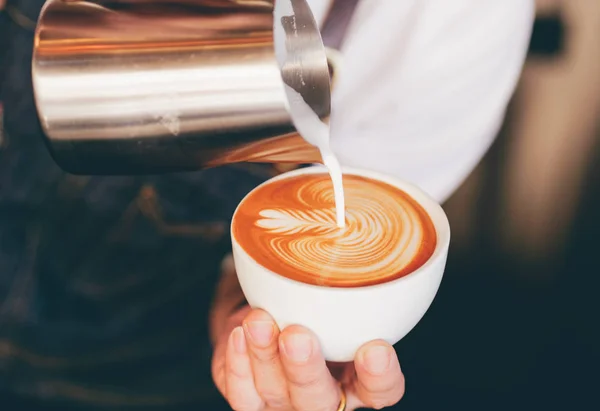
(261, 332)
(298, 347)
(239, 340)
(377, 359)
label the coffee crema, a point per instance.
(289, 227)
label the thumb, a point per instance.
(378, 381)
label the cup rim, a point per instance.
(433, 209)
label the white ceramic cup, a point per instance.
(344, 319)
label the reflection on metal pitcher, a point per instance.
(130, 86)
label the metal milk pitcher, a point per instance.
(149, 86)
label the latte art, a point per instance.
(289, 226)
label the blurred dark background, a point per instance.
(515, 324)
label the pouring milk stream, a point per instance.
(317, 133)
(308, 124)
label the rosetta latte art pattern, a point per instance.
(289, 227)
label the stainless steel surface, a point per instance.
(127, 87)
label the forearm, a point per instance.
(228, 298)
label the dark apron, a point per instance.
(106, 282)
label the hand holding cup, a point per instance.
(257, 367)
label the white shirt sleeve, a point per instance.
(424, 84)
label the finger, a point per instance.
(310, 383)
(262, 334)
(220, 350)
(240, 391)
(380, 382)
(218, 368)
